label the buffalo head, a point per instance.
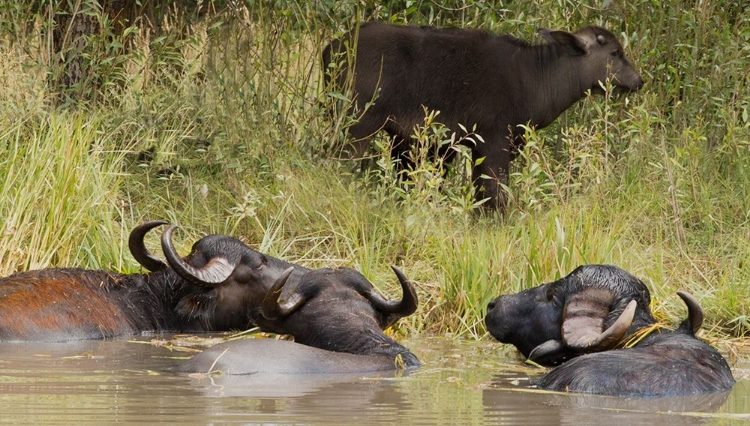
(339, 310)
(601, 58)
(224, 280)
(589, 310)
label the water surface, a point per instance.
(462, 382)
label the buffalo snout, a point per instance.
(628, 81)
(500, 318)
(526, 320)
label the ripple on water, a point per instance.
(462, 382)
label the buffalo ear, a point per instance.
(552, 352)
(572, 44)
(583, 321)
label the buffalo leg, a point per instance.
(490, 174)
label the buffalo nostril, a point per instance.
(490, 305)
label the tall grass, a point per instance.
(60, 194)
(226, 130)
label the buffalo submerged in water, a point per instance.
(336, 318)
(219, 286)
(595, 324)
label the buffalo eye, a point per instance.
(242, 274)
(616, 53)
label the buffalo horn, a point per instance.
(550, 347)
(138, 247)
(695, 313)
(395, 309)
(216, 271)
(272, 308)
(609, 337)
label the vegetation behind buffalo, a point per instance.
(227, 132)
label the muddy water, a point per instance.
(129, 381)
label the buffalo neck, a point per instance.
(154, 299)
(554, 83)
(150, 300)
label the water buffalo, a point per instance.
(589, 310)
(219, 286)
(336, 318)
(496, 82)
(596, 321)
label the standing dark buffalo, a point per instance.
(219, 286)
(582, 318)
(336, 317)
(473, 78)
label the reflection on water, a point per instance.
(575, 409)
(123, 381)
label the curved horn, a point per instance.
(588, 342)
(695, 313)
(397, 308)
(611, 336)
(409, 302)
(216, 271)
(272, 308)
(393, 310)
(138, 247)
(546, 349)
